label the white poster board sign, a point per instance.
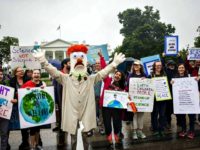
(36, 107)
(171, 45)
(185, 96)
(6, 95)
(194, 54)
(115, 99)
(162, 91)
(22, 56)
(141, 92)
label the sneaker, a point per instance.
(32, 148)
(190, 135)
(140, 134)
(116, 138)
(182, 134)
(156, 134)
(109, 138)
(90, 133)
(38, 147)
(24, 146)
(135, 137)
(162, 134)
(102, 131)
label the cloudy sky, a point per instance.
(94, 21)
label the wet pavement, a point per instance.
(98, 142)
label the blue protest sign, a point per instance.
(92, 54)
(148, 63)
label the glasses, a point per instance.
(20, 71)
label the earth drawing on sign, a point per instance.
(37, 106)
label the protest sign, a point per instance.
(93, 56)
(148, 63)
(171, 45)
(22, 56)
(162, 91)
(115, 99)
(6, 95)
(141, 92)
(36, 107)
(186, 96)
(194, 54)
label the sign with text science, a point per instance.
(22, 56)
(162, 91)
(115, 99)
(171, 45)
(141, 92)
(185, 96)
(6, 95)
(36, 107)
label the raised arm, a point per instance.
(118, 58)
(40, 56)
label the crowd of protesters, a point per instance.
(160, 116)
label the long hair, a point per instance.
(186, 72)
(121, 82)
(154, 68)
(141, 69)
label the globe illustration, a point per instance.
(37, 106)
(115, 104)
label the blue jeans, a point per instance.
(158, 118)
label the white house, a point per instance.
(56, 49)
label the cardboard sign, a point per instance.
(171, 45)
(93, 56)
(36, 107)
(162, 91)
(194, 54)
(22, 56)
(148, 63)
(6, 95)
(186, 96)
(141, 92)
(115, 99)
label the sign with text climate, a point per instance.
(22, 56)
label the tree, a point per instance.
(143, 32)
(5, 44)
(197, 41)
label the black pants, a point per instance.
(158, 118)
(169, 111)
(182, 118)
(115, 114)
(25, 136)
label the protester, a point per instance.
(4, 122)
(117, 83)
(158, 114)
(137, 72)
(16, 82)
(58, 90)
(78, 99)
(35, 131)
(182, 72)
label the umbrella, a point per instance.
(56, 63)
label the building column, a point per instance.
(64, 54)
(54, 54)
